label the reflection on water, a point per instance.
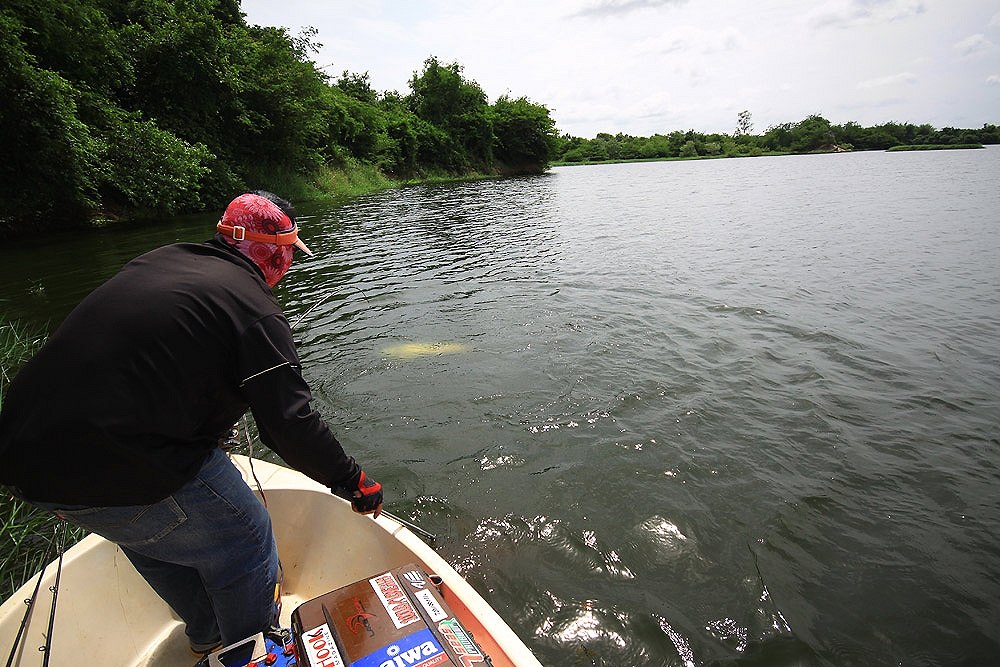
(727, 412)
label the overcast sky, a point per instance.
(652, 66)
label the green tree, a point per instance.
(151, 168)
(279, 105)
(165, 105)
(352, 124)
(744, 124)
(813, 133)
(525, 135)
(441, 96)
(49, 159)
(607, 146)
(175, 48)
(657, 146)
(849, 135)
(73, 148)
(778, 137)
(399, 155)
(358, 86)
(989, 134)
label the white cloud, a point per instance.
(993, 80)
(690, 40)
(646, 66)
(619, 7)
(973, 45)
(892, 80)
(851, 13)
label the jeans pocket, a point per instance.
(130, 526)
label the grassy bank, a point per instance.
(357, 179)
(934, 147)
(675, 159)
(329, 184)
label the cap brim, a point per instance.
(301, 245)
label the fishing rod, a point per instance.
(233, 437)
(57, 542)
(30, 602)
(246, 432)
(47, 649)
(415, 528)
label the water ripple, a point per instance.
(598, 386)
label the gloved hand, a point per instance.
(366, 497)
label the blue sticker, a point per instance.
(420, 649)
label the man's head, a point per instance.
(262, 226)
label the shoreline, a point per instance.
(830, 151)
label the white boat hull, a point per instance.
(107, 615)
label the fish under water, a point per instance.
(413, 350)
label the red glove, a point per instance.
(366, 498)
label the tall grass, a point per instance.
(350, 179)
(25, 531)
(353, 179)
(18, 343)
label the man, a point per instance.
(114, 424)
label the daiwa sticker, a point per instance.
(420, 649)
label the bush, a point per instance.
(151, 169)
(49, 157)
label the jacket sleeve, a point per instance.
(280, 400)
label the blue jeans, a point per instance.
(208, 550)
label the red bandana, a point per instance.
(261, 215)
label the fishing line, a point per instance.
(766, 592)
(246, 430)
(234, 438)
(403, 522)
(326, 298)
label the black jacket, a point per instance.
(126, 399)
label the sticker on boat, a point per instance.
(320, 647)
(420, 649)
(394, 600)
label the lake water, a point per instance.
(727, 412)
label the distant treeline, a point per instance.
(161, 106)
(813, 134)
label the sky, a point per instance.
(644, 67)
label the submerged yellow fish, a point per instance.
(413, 350)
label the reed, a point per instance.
(25, 531)
(18, 343)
